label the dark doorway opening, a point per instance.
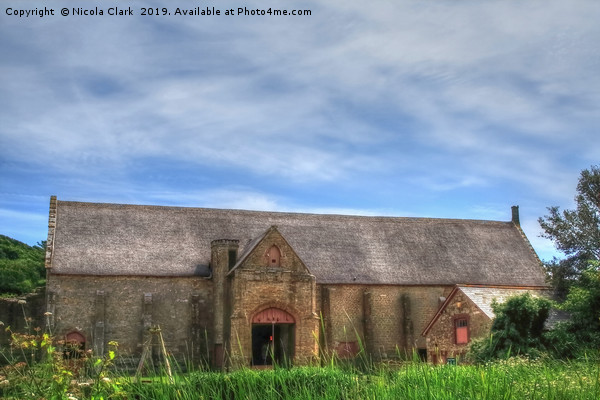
(422, 354)
(272, 344)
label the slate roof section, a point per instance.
(484, 296)
(117, 239)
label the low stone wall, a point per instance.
(22, 313)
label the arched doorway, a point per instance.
(272, 337)
(74, 345)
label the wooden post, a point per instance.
(148, 349)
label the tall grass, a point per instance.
(510, 379)
(36, 369)
(513, 379)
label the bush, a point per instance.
(581, 333)
(518, 329)
(562, 342)
(40, 367)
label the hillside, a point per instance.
(21, 266)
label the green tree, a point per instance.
(583, 302)
(21, 266)
(518, 329)
(562, 273)
(577, 277)
(576, 232)
(582, 331)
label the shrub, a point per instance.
(518, 329)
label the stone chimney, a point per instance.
(223, 258)
(515, 215)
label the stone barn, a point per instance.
(234, 287)
(464, 315)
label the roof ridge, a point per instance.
(248, 211)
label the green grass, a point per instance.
(35, 369)
(512, 379)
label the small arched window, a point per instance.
(274, 257)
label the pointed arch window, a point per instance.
(274, 256)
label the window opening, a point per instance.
(462, 331)
(274, 256)
(347, 349)
(232, 256)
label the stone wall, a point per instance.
(388, 320)
(258, 284)
(122, 309)
(343, 319)
(441, 339)
(22, 314)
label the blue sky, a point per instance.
(415, 108)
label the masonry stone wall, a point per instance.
(22, 314)
(387, 319)
(257, 285)
(122, 309)
(343, 318)
(441, 339)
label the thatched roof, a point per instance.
(113, 239)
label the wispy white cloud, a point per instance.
(434, 65)
(22, 215)
(447, 98)
(233, 197)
